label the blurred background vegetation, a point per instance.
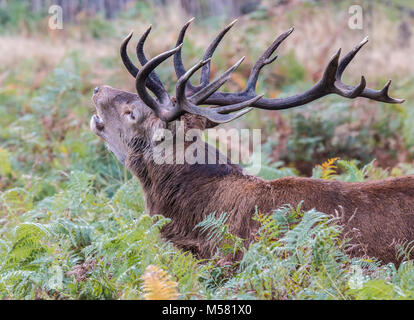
(52, 167)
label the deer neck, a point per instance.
(170, 187)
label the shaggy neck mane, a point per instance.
(182, 192)
(179, 190)
(164, 184)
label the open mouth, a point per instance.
(96, 124)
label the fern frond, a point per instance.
(329, 168)
(404, 250)
(215, 226)
(158, 284)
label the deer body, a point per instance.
(376, 215)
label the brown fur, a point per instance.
(376, 214)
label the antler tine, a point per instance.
(360, 90)
(343, 89)
(215, 115)
(154, 62)
(208, 90)
(143, 59)
(140, 46)
(378, 95)
(182, 82)
(154, 83)
(223, 118)
(263, 60)
(178, 62)
(162, 110)
(331, 81)
(237, 106)
(348, 58)
(205, 71)
(132, 69)
(381, 95)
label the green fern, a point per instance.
(214, 226)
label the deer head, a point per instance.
(127, 121)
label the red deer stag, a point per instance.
(381, 212)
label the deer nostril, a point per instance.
(95, 90)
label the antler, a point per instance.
(189, 97)
(211, 114)
(330, 82)
(153, 83)
(205, 71)
(167, 110)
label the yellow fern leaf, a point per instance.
(158, 284)
(328, 168)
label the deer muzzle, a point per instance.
(96, 125)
